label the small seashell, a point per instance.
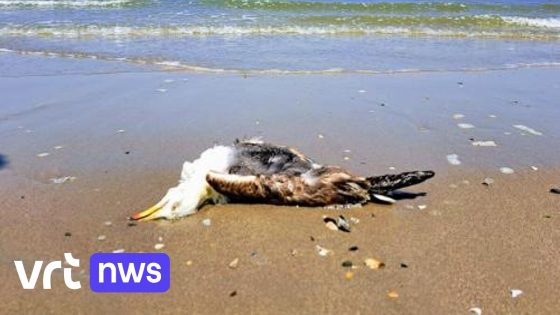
(393, 294)
(349, 275)
(506, 170)
(373, 263)
(117, 251)
(488, 143)
(534, 168)
(361, 91)
(346, 158)
(475, 310)
(354, 220)
(121, 131)
(492, 116)
(58, 147)
(465, 126)
(234, 263)
(347, 264)
(488, 181)
(343, 224)
(528, 130)
(453, 159)
(320, 136)
(392, 168)
(160, 239)
(206, 222)
(188, 263)
(331, 226)
(44, 154)
(458, 116)
(62, 180)
(422, 207)
(108, 223)
(323, 251)
(159, 246)
(294, 252)
(101, 237)
(515, 293)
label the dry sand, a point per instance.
(468, 247)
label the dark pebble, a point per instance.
(347, 264)
(373, 215)
(353, 248)
(127, 152)
(382, 104)
(460, 83)
(233, 293)
(547, 217)
(312, 238)
(403, 265)
(22, 197)
(131, 224)
(555, 190)
(67, 234)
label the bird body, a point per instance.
(252, 171)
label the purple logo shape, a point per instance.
(129, 272)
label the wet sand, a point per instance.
(124, 136)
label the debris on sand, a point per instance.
(108, 223)
(534, 168)
(323, 251)
(58, 147)
(373, 263)
(62, 180)
(67, 234)
(44, 154)
(349, 275)
(361, 91)
(393, 294)
(453, 159)
(233, 293)
(506, 170)
(340, 223)
(528, 130)
(343, 224)
(422, 207)
(161, 90)
(331, 225)
(353, 248)
(121, 131)
(555, 190)
(234, 263)
(159, 246)
(488, 181)
(475, 310)
(465, 126)
(320, 136)
(117, 251)
(347, 264)
(206, 222)
(515, 293)
(488, 143)
(101, 238)
(458, 116)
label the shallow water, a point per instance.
(253, 36)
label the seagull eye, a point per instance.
(175, 206)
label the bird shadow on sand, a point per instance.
(3, 161)
(401, 195)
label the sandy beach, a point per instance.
(83, 151)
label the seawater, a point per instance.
(288, 37)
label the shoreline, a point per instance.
(123, 137)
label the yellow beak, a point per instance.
(148, 214)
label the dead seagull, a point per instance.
(251, 171)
